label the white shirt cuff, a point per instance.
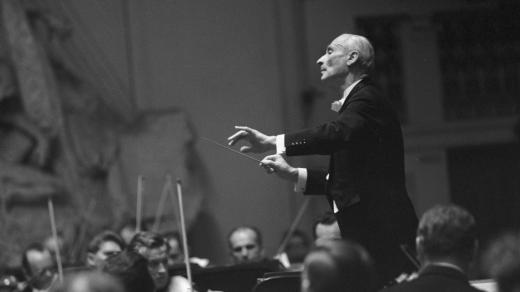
(334, 206)
(299, 186)
(280, 144)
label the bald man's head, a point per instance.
(360, 44)
(346, 56)
(245, 243)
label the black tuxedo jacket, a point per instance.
(434, 279)
(366, 176)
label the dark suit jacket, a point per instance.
(435, 279)
(366, 174)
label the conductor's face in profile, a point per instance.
(334, 64)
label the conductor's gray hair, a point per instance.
(362, 46)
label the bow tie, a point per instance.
(336, 106)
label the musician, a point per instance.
(127, 231)
(325, 228)
(446, 244)
(365, 182)
(176, 254)
(132, 270)
(245, 245)
(154, 249)
(38, 267)
(296, 249)
(102, 246)
(502, 262)
(338, 266)
(175, 251)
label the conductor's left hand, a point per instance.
(277, 164)
(258, 142)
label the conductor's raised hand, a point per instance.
(257, 142)
(277, 164)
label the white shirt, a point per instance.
(299, 186)
(345, 95)
(446, 264)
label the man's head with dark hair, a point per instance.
(154, 248)
(338, 266)
(502, 261)
(297, 246)
(38, 266)
(325, 228)
(131, 269)
(447, 234)
(103, 246)
(245, 244)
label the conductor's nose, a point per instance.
(320, 60)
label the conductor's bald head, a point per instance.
(360, 44)
(346, 54)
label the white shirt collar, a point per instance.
(349, 89)
(336, 105)
(446, 264)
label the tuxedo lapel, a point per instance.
(364, 82)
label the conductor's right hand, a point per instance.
(257, 142)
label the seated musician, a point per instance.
(39, 268)
(103, 246)
(245, 245)
(297, 247)
(176, 254)
(154, 249)
(502, 262)
(131, 270)
(338, 266)
(325, 228)
(175, 251)
(446, 243)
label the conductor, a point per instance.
(365, 180)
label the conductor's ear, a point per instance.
(352, 57)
